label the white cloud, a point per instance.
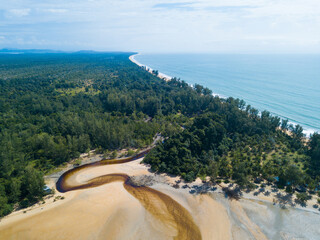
(19, 12)
(202, 25)
(56, 10)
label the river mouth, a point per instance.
(158, 204)
(62, 183)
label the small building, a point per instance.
(47, 190)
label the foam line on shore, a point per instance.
(149, 69)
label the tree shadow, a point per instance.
(202, 189)
(176, 185)
(300, 202)
(262, 190)
(232, 193)
(248, 190)
(267, 193)
(284, 199)
(274, 189)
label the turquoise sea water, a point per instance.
(285, 85)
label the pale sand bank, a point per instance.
(110, 212)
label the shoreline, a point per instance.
(163, 75)
(307, 131)
(149, 69)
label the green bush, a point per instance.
(303, 197)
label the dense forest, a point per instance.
(55, 106)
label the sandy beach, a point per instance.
(109, 211)
(160, 75)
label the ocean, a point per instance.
(286, 85)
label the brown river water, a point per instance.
(160, 205)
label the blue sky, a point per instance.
(232, 26)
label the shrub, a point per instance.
(130, 152)
(302, 197)
(289, 189)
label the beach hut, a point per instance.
(47, 190)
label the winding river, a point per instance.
(160, 205)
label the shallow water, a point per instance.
(62, 185)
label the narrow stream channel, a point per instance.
(173, 214)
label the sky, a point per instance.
(162, 26)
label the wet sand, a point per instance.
(113, 211)
(119, 211)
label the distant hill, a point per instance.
(22, 51)
(87, 51)
(43, 51)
